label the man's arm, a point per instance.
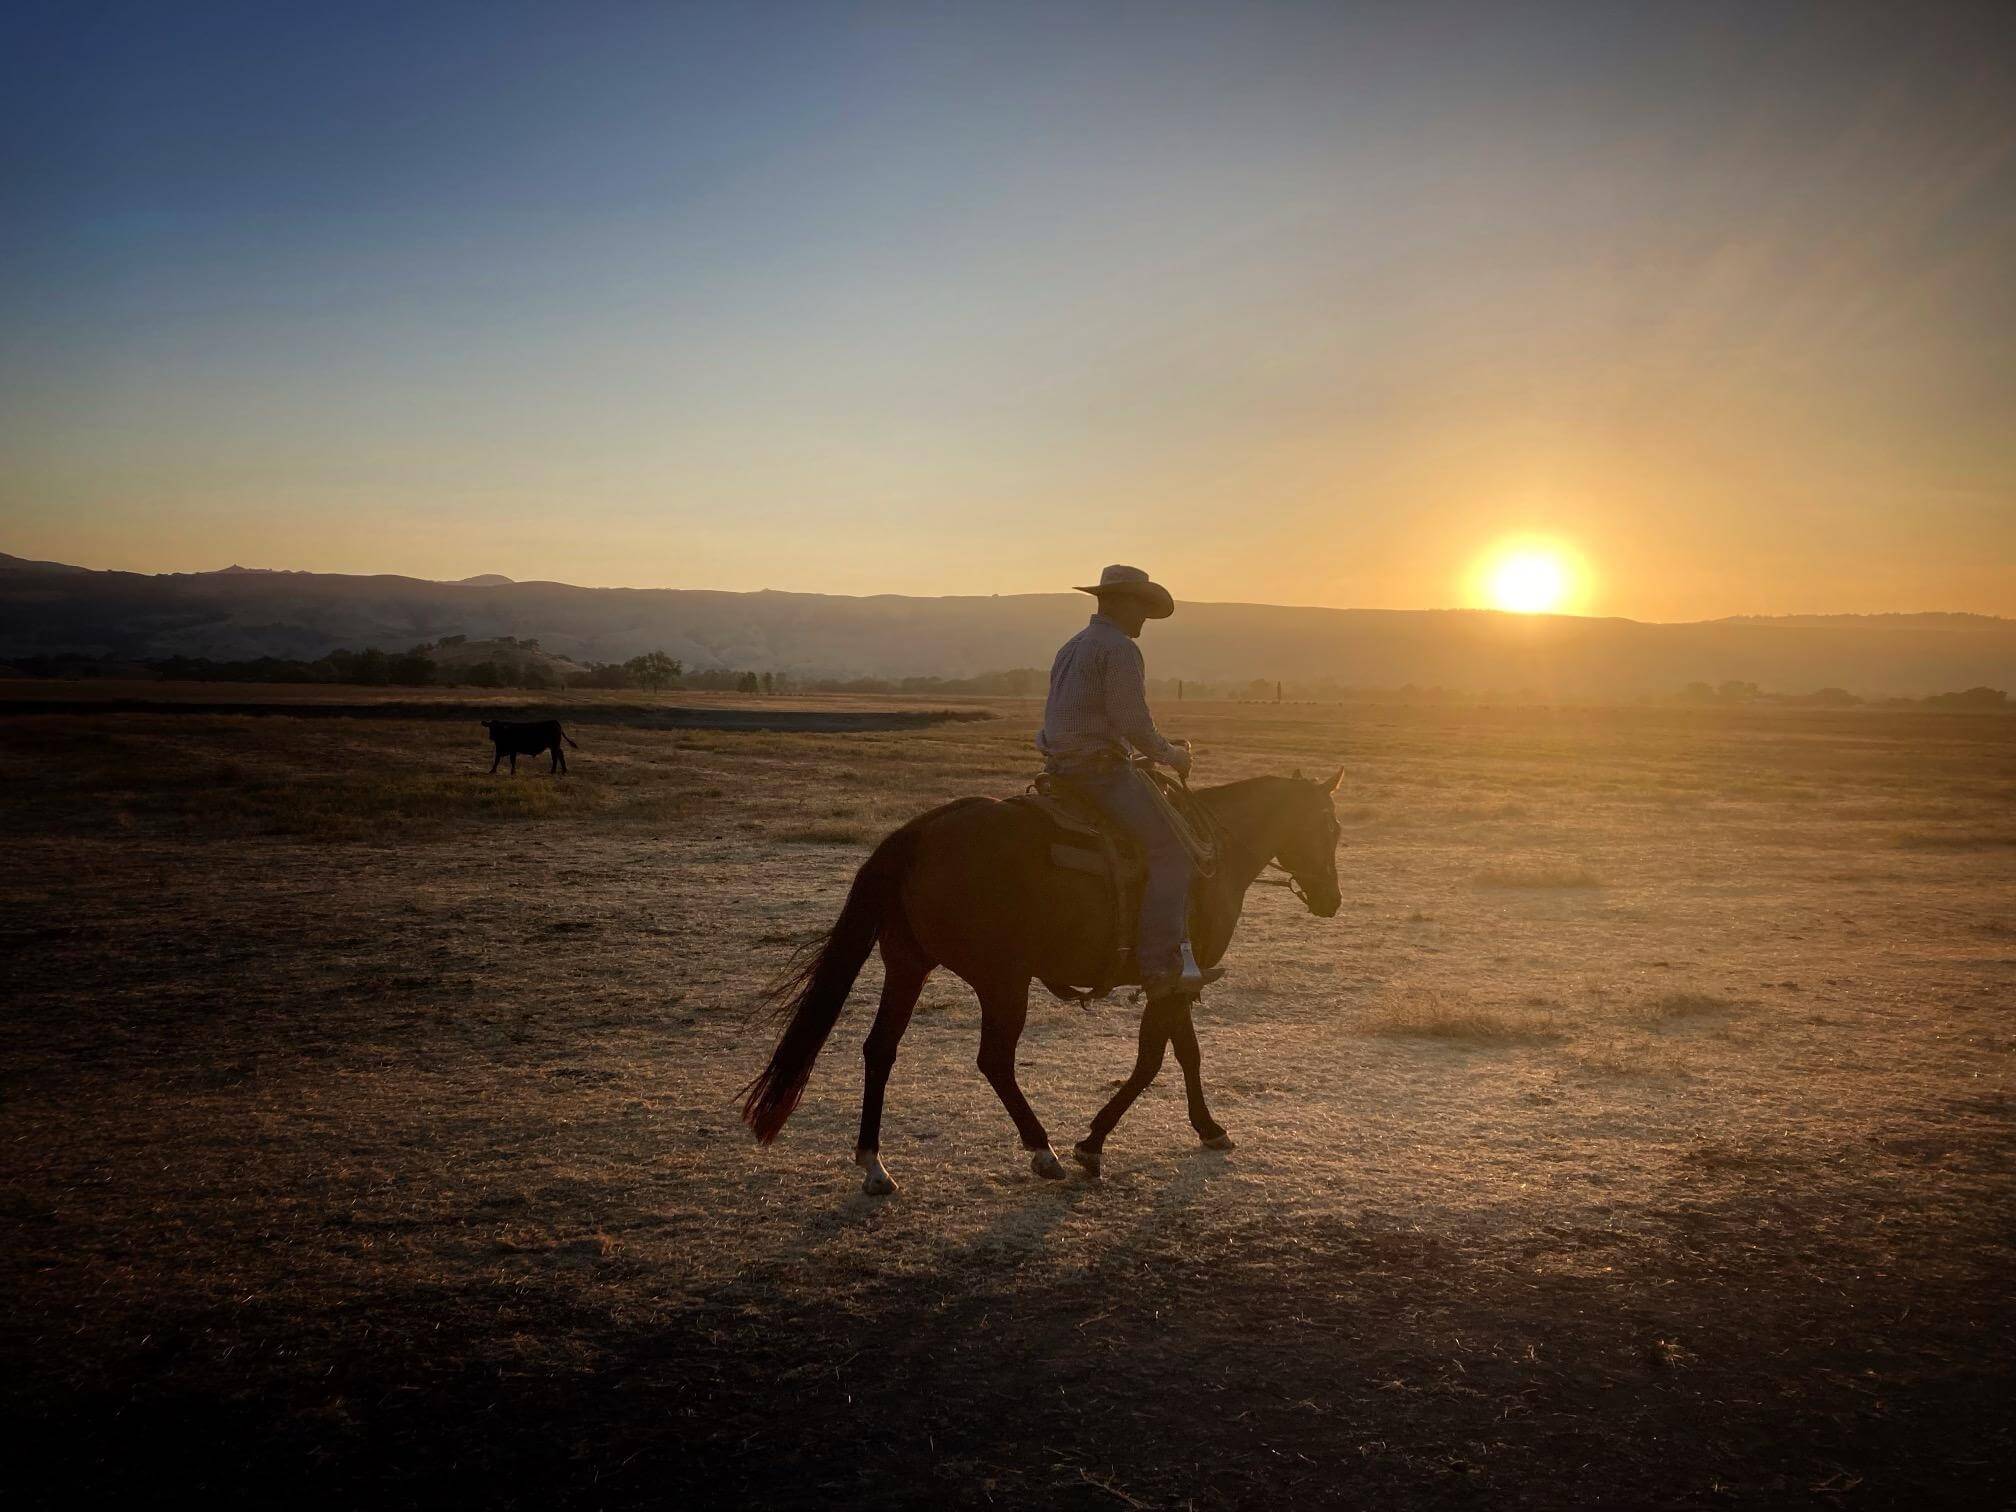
(1127, 707)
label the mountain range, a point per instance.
(50, 608)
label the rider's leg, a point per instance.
(1125, 798)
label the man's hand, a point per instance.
(1181, 764)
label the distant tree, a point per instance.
(453, 640)
(486, 674)
(412, 670)
(1973, 698)
(654, 670)
(373, 668)
(747, 683)
(769, 683)
(1737, 692)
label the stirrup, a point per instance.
(1183, 984)
(1186, 981)
(1194, 977)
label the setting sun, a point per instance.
(1527, 579)
(1528, 583)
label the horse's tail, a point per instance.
(816, 991)
(570, 740)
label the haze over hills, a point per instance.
(51, 609)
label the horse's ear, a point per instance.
(1335, 782)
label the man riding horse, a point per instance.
(975, 888)
(1095, 724)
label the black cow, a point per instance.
(528, 737)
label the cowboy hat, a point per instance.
(1132, 580)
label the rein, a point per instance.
(1287, 879)
(1202, 835)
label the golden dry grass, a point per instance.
(1464, 1022)
(372, 1114)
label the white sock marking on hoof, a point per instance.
(1044, 1163)
(878, 1182)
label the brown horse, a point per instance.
(971, 887)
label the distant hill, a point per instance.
(51, 609)
(22, 564)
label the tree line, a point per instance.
(519, 663)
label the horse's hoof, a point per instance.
(1219, 1141)
(1087, 1157)
(878, 1182)
(1045, 1164)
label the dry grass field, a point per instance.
(1639, 1133)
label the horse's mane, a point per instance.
(1232, 789)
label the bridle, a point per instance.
(1200, 814)
(1289, 880)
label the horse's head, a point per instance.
(1309, 853)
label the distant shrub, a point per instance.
(1972, 698)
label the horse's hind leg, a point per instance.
(902, 979)
(1156, 1028)
(1004, 1008)
(1183, 1040)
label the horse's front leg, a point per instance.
(1156, 1027)
(1183, 1040)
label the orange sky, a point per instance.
(1288, 307)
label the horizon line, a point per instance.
(240, 569)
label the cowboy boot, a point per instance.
(1188, 982)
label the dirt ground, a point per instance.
(1638, 1134)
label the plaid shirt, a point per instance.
(1098, 704)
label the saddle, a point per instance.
(1086, 842)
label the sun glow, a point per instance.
(1528, 579)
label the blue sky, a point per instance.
(1293, 303)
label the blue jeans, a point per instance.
(1124, 797)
